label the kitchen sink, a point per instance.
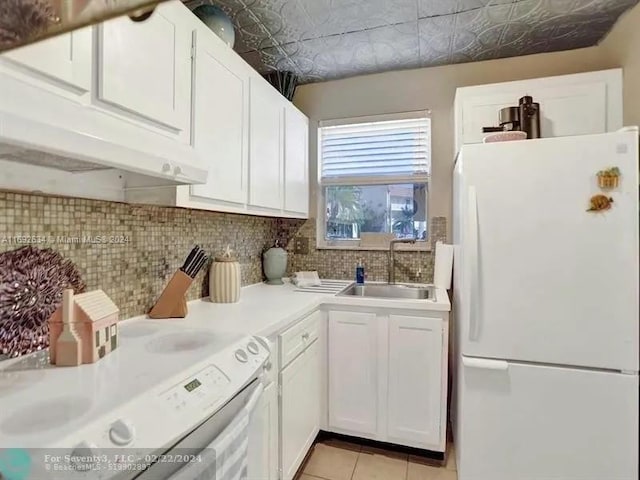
(376, 290)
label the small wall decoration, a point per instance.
(599, 203)
(31, 285)
(83, 329)
(609, 178)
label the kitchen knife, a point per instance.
(199, 266)
(194, 263)
(192, 254)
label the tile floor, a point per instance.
(338, 460)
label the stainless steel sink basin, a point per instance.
(374, 290)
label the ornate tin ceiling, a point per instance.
(326, 39)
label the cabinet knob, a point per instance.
(305, 336)
(166, 167)
(177, 170)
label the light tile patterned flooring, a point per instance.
(338, 460)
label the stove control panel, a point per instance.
(202, 389)
(125, 436)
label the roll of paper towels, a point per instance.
(443, 266)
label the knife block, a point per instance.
(172, 302)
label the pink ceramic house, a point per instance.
(83, 329)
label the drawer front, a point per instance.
(297, 338)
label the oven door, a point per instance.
(204, 434)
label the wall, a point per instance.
(156, 241)
(622, 46)
(433, 89)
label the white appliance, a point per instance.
(144, 411)
(546, 310)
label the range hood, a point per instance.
(42, 158)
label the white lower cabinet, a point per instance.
(264, 436)
(415, 407)
(353, 372)
(300, 384)
(388, 377)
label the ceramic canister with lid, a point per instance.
(274, 262)
(225, 279)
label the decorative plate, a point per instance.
(31, 285)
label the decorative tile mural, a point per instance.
(326, 39)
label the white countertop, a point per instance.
(265, 310)
(35, 395)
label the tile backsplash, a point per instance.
(130, 251)
(341, 264)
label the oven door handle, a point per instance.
(254, 398)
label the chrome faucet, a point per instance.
(391, 267)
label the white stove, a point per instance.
(158, 385)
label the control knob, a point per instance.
(121, 432)
(83, 456)
(242, 356)
(253, 348)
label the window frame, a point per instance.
(321, 224)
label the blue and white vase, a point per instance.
(218, 22)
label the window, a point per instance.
(373, 175)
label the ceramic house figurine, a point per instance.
(83, 329)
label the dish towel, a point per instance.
(306, 279)
(226, 457)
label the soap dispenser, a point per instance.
(360, 273)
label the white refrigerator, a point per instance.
(546, 310)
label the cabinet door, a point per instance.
(263, 456)
(482, 111)
(296, 161)
(265, 152)
(353, 372)
(221, 119)
(573, 109)
(300, 412)
(415, 380)
(65, 58)
(144, 69)
(565, 110)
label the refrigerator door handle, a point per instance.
(474, 306)
(485, 363)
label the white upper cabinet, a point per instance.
(266, 146)
(353, 373)
(144, 69)
(416, 383)
(221, 120)
(580, 104)
(65, 59)
(296, 162)
(160, 111)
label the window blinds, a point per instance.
(394, 148)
